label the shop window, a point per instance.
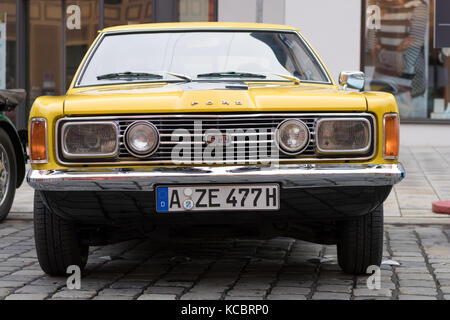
(81, 30)
(45, 48)
(196, 10)
(396, 52)
(439, 76)
(119, 12)
(8, 48)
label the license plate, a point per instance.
(218, 198)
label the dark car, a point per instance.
(12, 151)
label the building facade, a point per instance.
(392, 41)
(42, 42)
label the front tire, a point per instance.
(8, 174)
(57, 243)
(360, 243)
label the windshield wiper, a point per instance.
(231, 74)
(129, 75)
(141, 75)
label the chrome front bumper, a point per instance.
(145, 179)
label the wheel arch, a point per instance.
(18, 148)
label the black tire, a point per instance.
(57, 243)
(360, 242)
(6, 201)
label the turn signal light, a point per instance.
(391, 136)
(38, 140)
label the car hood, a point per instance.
(211, 97)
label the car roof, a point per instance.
(198, 26)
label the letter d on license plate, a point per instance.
(218, 198)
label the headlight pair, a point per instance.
(332, 135)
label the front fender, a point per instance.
(19, 148)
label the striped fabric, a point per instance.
(405, 67)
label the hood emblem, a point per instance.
(224, 102)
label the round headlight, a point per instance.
(292, 136)
(141, 139)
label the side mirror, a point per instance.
(352, 79)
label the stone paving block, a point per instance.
(415, 276)
(334, 288)
(406, 254)
(409, 259)
(252, 285)
(293, 283)
(445, 289)
(400, 270)
(289, 290)
(417, 283)
(252, 298)
(37, 289)
(27, 296)
(165, 290)
(5, 291)
(286, 297)
(112, 297)
(49, 281)
(201, 296)
(28, 273)
(157, 297)
(442, 276)
(129, 285)
(330, 296)
(11, 283)
(418, 291)
(322, 281)
(184, 284)
(206, 289)
(92, 285)
(415, 297)
(119, 292)
(246, 293)
(365, 292)
(74, 294)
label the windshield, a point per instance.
(201, 56)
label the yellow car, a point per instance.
(211, 129)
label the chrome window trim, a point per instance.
(350, 151)
(104, 34)
(218, 116)
(137, 155)
(46, 141)
(69, 155)
(384, 135)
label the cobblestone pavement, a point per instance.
(281, 268)
(250, 269)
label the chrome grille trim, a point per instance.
(211, 121)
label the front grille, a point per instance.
(248, 135)
(249, 132)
